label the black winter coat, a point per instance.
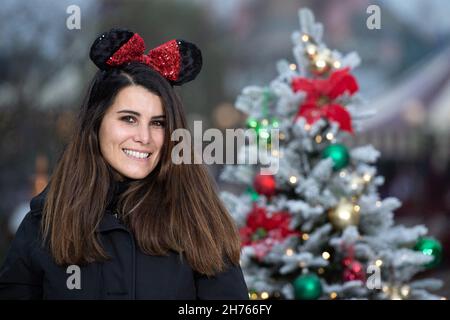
(29, 271)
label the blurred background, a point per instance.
(404, 75)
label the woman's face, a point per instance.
(132, 132)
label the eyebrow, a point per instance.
(138, 114)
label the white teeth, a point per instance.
(139, 155)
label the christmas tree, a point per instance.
(317, 228)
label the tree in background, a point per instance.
(318, 229)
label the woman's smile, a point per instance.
(132, 132)
(136, 155)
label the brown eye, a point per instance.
(128, 119)
(158, 123)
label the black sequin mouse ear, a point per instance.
(191, 62)
(107, 44)
(178, 61)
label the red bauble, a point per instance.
(265, 184)
(353, 271)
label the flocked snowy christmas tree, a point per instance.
(317, 228)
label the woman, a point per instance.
(118, 219)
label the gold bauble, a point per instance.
(344, 214)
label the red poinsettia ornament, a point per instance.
(321, 95)
(263, 230)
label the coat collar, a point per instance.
(109, 222)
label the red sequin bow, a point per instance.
(165, 58)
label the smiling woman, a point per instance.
(134, 224)
(131, 137)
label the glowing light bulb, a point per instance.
(325, 255)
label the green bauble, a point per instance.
(307, 287)
(339, 154)
(431, 247)
(253, 194)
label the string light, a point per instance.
(356, 208)
(305, 38)
(281, 136)
(264, 295)
(337, 64)
(343, 173)
(330, 136)
(333, 295)
(397, 293)
(264, 134)
(379, 263)
(404, 290)
(253, 296)
(321, 64)
(293, 179)
(320, 270)
(253, 123)
(264, 122)
(325, 255)
(378, 203)
(305, 236)
(307, 126)
(367, 177)
(318, 139)
(289, 252)
(292, 66)
(311, 49)
(275, 153)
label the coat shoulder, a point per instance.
(20, 274)
(37, 203)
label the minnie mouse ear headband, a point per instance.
(176, 60)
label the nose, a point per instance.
(143, 135)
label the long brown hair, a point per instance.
(175, 208)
